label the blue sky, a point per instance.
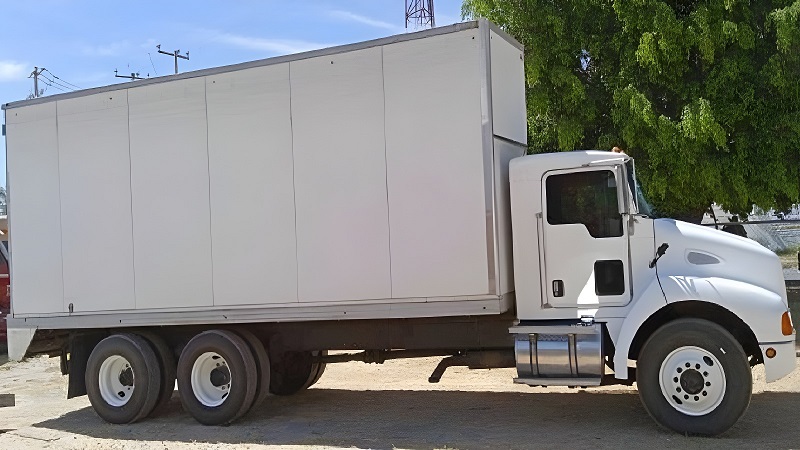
(83, 42)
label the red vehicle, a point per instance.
(5, 298)
(5, 304)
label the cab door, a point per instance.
(585, 237)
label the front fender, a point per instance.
(647, 304)
(759, 308)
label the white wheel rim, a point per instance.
(211, 379)
(692, 380)
(116, 381)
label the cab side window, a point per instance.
(588, 198)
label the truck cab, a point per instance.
(598, 279)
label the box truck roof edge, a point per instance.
(271, 61)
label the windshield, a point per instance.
(642, 205)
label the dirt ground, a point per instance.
(357, 405)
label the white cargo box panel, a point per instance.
(95, 185)
(435, 161)
(252, 186)
(363, 181)
(32, 162)
(340, 177)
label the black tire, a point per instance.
(127, 362)
(262, 366)
(317, 369)
(706, 379)
(168, 365)
(234, 378)
(291, 372)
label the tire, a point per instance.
(123, 378)
(168, 367)
(262, 366)
(317, 369)
(217, 377)
(292, 372)
(694, 378)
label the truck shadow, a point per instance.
(425, 419)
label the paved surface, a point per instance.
(792, 276)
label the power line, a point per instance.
(55, 86)
(38, 75)
(63, 80)
(57, 83)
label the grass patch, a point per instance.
(792, 250)
(788, 257)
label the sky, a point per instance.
(81, 43)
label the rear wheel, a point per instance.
(167, 364)
(217, 377)
(262, 366)
(123, 378)
(693, 377)
(317, 369)
(293, 372)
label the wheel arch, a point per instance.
(700, 310)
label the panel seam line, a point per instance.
(386, 175)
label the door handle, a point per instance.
(558, 288)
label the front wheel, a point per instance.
(693, 377)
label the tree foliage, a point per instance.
(704, 94)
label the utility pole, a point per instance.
(35, 75)
(176, 54)
(132, 76)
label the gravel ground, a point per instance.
(391, 406)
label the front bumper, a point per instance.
(782, 363)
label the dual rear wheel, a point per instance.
(221, 375)
(217, 377)
(295, 371)
(125, 376)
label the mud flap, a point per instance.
(74, 361)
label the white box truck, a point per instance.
(229, 227)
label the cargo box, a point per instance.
(363, 181)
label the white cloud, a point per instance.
(149, 44)
(12, 70)
(276, 46)
(110, 49)
(352, 17)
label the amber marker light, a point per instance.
(771, 352)
(786, 324)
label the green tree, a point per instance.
(704, 94)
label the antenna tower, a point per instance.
(420, 13)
